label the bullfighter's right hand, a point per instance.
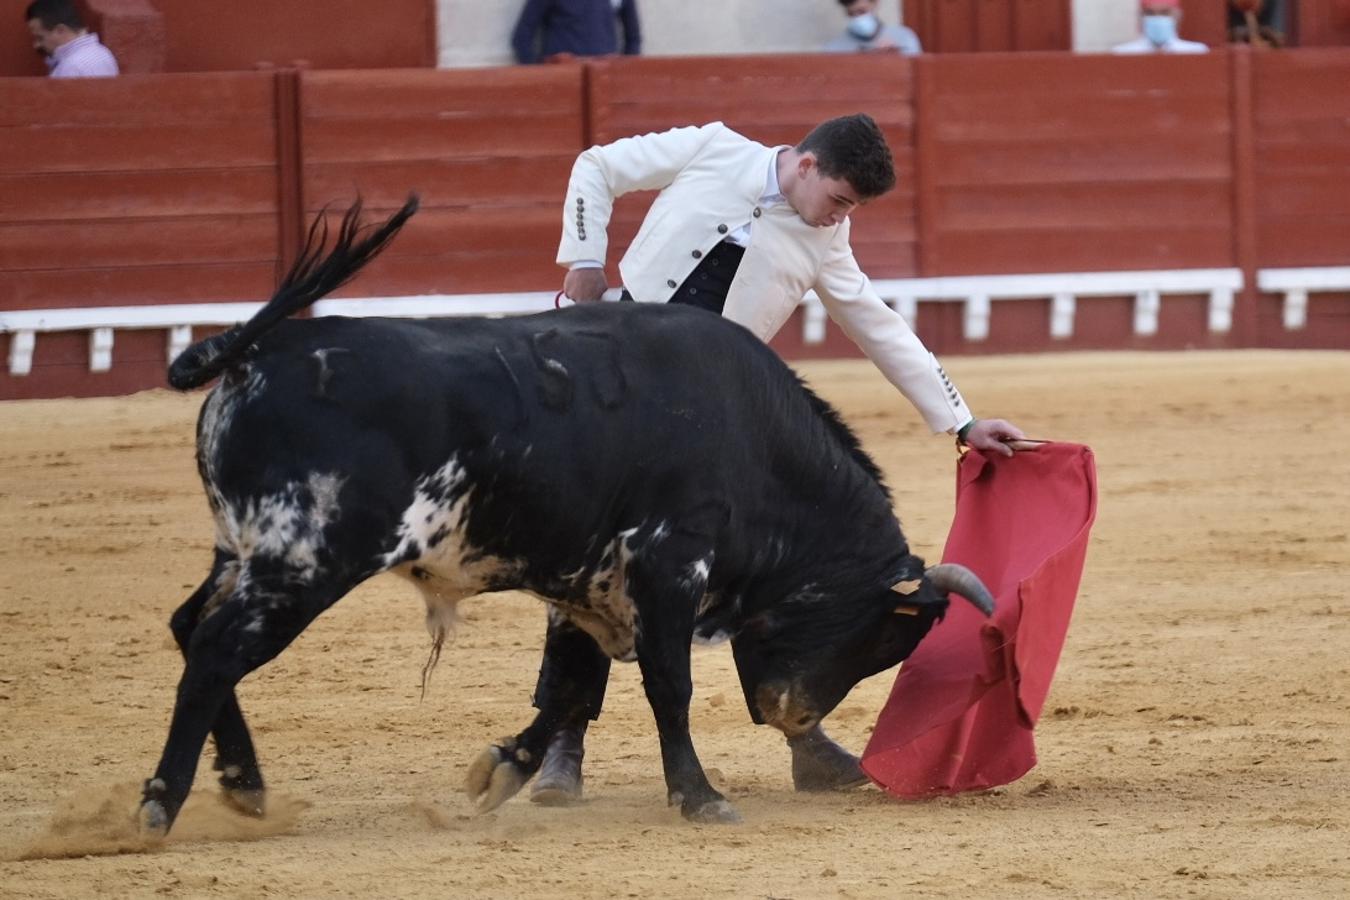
(585, 285)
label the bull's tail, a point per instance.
(313, 275)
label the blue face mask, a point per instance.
(864, 27)
(1160, 30)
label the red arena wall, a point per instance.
(1046, 201)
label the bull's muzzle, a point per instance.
(786, 709)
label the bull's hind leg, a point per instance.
(262, 614)
(241, 778)
(570, 692)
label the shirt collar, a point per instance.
(71, 46)
(773, 191)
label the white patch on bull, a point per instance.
(218, 414)
(696, 580)
(226, 583)
(433, 553)
(609, 615)
(286, 525)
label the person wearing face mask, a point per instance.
(1158, 21)
(865, 32)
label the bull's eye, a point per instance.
(804, 721)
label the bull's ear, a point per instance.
(905, 589)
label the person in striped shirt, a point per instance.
(69, 48)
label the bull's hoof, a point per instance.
(153, 817)
(153, 820)
(493, 778)
(714, 812)
(247, 801)
(243, 791)
(819, 764)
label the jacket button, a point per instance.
(756, 213)
(670, 283)
(697, 254)
(721, 229)
(580, 202)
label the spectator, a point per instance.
(69, 49)
(1159, 20)
(552, 30)
(867, 33)
(1256, 22)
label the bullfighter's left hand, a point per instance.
(994, 435)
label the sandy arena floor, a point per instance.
(1196, 742)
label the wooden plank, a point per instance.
(467, 272)
(386, 140)
(1099, 206)
(1184, 156)
(54, 148)
(1286, 194)
(1123, 113)
(183, 100)
(1319, 239)
(137, 285)
(1306, 84)
(470, 182)
(138, 242)
(526, 91)
(117, 195)
(877, 77)
(1160, 246)
(1064, 75)
(1316, 156)
(534, 230)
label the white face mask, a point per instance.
(864, 27)
(1160, 30)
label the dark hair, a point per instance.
(852, 148)
(54, 12)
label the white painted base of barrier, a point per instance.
(976, 293)
(1296, 284)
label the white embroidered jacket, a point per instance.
(711, 180)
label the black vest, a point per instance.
(707, 286)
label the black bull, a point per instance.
(652, 472)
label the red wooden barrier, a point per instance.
(180, 188)
(489, 151)
(1061, 163)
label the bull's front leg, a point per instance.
(665, 597)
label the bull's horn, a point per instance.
(956, 578)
